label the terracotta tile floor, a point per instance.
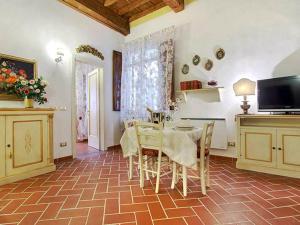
(95, 190)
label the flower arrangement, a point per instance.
(31, 89)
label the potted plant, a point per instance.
(31, 90)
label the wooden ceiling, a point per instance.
(117, 14)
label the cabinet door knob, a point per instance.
(8, 145)
(273, 148)
(279, 149)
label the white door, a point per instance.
(94, 114)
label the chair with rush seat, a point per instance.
(203, 148)
(150, 144)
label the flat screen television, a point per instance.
(279, 94)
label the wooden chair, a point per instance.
(203, 149)
(150, 143)
(128, 124)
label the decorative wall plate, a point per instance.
(208, 65)
(220, 53)
(185, 69)
(196, 60)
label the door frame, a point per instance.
(88, 59)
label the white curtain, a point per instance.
(147, 74)
(81, 72)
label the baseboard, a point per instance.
(63, 159)
(114, 147)
(229, 152)
(224, 158)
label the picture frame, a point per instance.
(16, 64)
(117, 76)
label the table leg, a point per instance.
(184, 180)
(130, 167)
(174, 175)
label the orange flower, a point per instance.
(11, 80)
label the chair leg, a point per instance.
(158, 172)
(207, 177)
(174, 174)
(146, 166)
(141, 169)
(153, 166)
(130, 167)
(202, 178)
(184, 181)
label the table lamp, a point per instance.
(244, 87)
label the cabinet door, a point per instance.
(2, 146)
(26, 143)
(288, 151)
(258, 146)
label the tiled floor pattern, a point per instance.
(95, 190)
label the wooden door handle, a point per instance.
(8, 145)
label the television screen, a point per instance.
(279, 94)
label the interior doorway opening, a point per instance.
(88, 108)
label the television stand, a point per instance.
(269, 144)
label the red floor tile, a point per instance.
(143, 218)
(193, 220)
(156, 211)
(180, 212)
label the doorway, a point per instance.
(88, 108)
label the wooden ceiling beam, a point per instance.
(133, 5)
(100, 13)
(109, 2)
(176, 5)
(147, 11)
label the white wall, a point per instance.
(261, 39)
(33, 29)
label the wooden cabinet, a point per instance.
(269, 144)
(26, 143)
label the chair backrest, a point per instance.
(206, 137)
(149, 135)
(150, 113)
(129, 123)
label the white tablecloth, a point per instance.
(180, 146)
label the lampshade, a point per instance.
(244, 87)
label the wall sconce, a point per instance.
(59, 55)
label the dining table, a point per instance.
(179, 144)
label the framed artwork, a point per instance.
(12, 67)
(117, 74)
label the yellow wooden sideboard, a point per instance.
(269, 144)
(26, 143)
